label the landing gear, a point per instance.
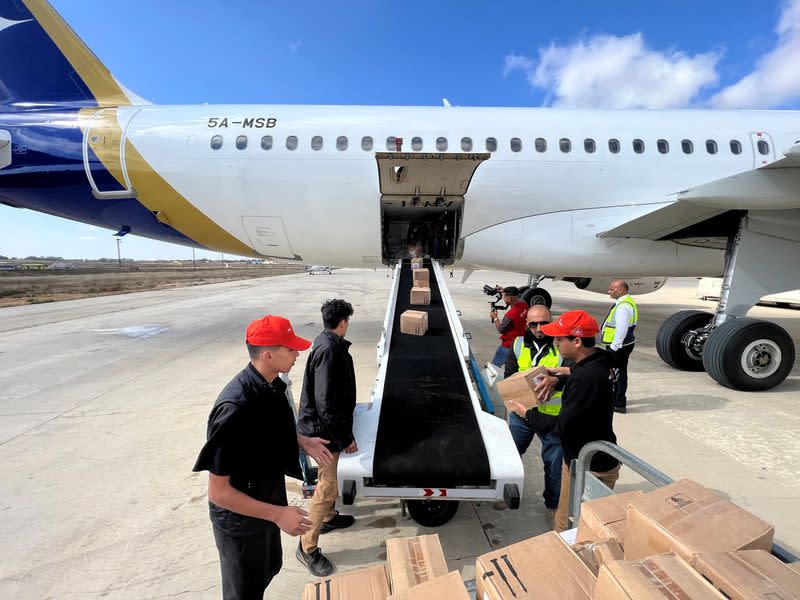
(536, 296)
(432, 513)
(749, 355)
(737, 352)
(681, 337)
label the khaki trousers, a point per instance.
(562, 512)
(322, 503)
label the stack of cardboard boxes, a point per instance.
(681, 541)
(415, 322)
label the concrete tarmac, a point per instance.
(104, 401)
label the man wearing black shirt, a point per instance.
(587, 403)
(251, 445)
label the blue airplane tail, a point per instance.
(43, 63)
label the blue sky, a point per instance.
(620, 54)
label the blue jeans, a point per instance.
(500, 356)
(552, 456)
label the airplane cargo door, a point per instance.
(104, 153)
(422, 202)
(268, 236)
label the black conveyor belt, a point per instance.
(428, 433)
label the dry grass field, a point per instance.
(32, 287)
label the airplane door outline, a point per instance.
(93, 129)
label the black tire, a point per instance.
(537, 296)
(432, 513)
(669, 344)
(749, 355)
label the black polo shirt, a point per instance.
(251, 437)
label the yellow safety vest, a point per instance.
(609, 325)
(551, 359)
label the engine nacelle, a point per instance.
(640, 285)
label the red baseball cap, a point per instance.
(274, 331)
(574, 323)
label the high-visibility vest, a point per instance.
(609, 325)
(550, 359)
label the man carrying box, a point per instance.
(535, 348)
(587, 403)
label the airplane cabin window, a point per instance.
(341, 142)
(291, 142)
(416, 144)
(638, 146)
(711, 146)
(763, 147)
(266, 142)
(216, 142)
(540, 144)
(687, 146)
(589, 146)
(565, 145)
(663, 146)
(241, 142)
(391, 143)
(516, 144)
(441, 144)
(491, 144)
(366, 143)
(736, 147)
(316, 142)
(466, 144)
(613, 146)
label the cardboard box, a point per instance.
(446, 587)
(595, 554)
(544, 567)
(369, 583)
(420, 295)
(795, 566)
(416, 263)
(655, 578)
(412, 561)
(519, 387)
(414, 322)
(686, 518)
(749, 575)
(604, 518)
(421, 277)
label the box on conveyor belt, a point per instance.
(446, 587)
(686, 518)
(748, 575)
(519, 387)
(421, 277)
(369, 583)
(604, 518)
(542, 567)
(416, 263)
(420, 295)
(414, 322)
(412, 561)
(654, 578)
(595, 554)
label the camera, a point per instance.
(493, 291)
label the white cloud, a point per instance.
(775, 80)
(606, 71)
(87, 238)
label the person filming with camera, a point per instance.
(512, 325)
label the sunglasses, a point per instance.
(535, 324)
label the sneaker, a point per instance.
(316, 563)
(337, 522)
(620, 408)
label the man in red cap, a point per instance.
(251, 445)
(587, 402)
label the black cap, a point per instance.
(511, 290)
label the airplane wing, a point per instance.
(702, 214)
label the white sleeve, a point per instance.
(622, 317)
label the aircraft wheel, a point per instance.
(537, 297)
(676, 343)
(432, 513)
(749, 355)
